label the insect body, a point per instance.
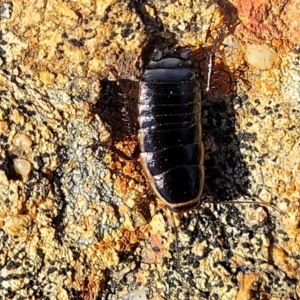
(170, 133)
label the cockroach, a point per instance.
(170, 129)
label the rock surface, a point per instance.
(81, 222)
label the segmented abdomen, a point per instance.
(170, 135)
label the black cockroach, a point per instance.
(170, 129)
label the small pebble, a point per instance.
(260, 56)
(22, 166)
(22, 140)
(6, 9)
(136, 295)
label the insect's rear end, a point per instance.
(170, 134)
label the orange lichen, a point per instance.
(101, 246)
(276, 43)
(111, 244)
(120, 246)
(247, 283)
(284, 262)
(128, 168)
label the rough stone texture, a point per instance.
(82, 224)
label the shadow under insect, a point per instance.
(117, 107)
(226, 174)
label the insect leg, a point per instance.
(128, 113)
